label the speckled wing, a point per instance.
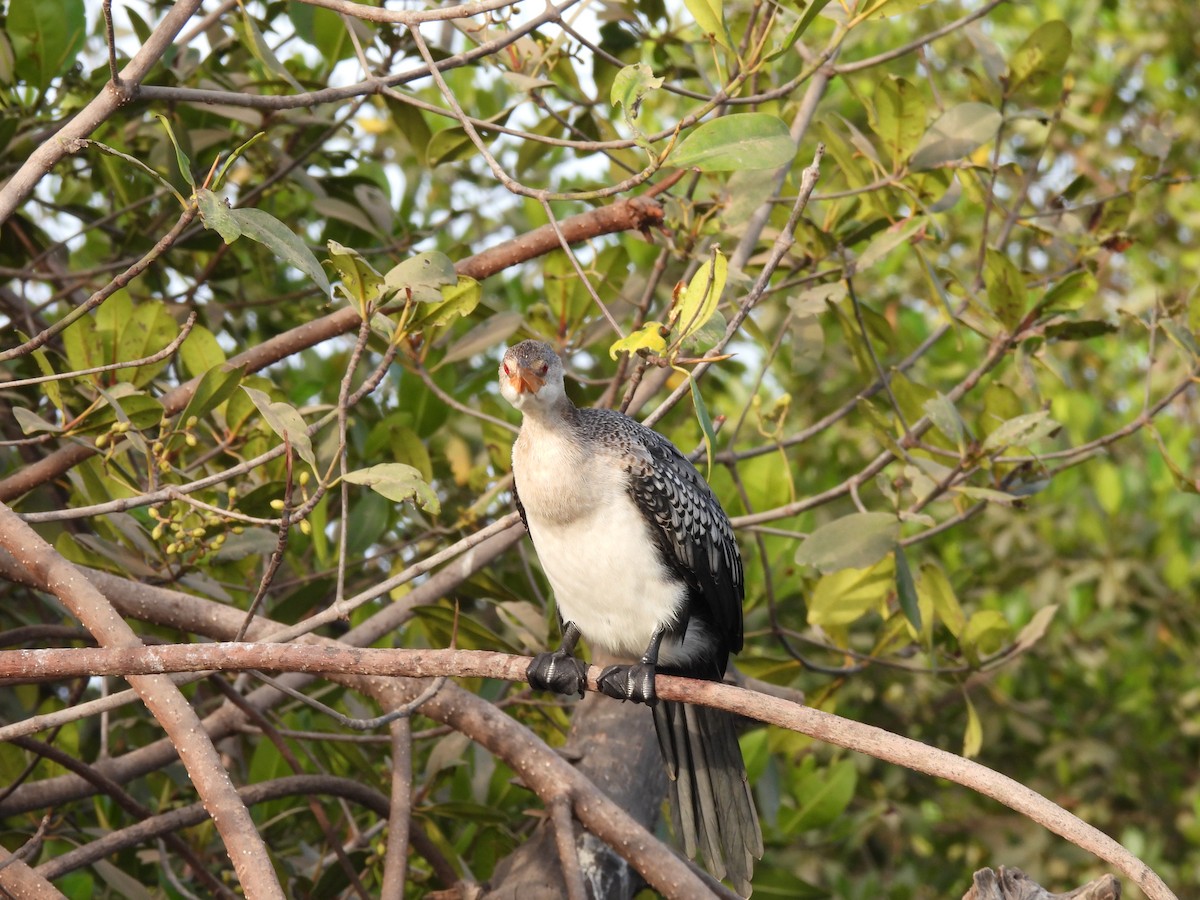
(687, 522)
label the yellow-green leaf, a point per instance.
(648, 337)
(703, 293)
(845, 596)
(398, 482)
(1042, 56)
(710, 16)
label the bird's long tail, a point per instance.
(710, 794)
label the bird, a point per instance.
(644, 564)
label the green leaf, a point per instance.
(359, 282)
(825, 794)
(887, 241)
(1181, 337)
(843, 597)
(31, 422)
(181, 158)
(200, 351)
(945, 418)
(699, 300)
(988, 495)
(149, 329)
(741, 141)
(897, 115)
(705, 420)
(1005, 288)
(286, 422)
(329, 33)
(810, 13)
(282, 241)
(262, 227)
(934, 585)
(1020, 432)
(217, 216)
(128, 405)
(52, 389)
(424, 275)
(1078, 331)
(984, 633)
(215, 387)
(957, 133)
(1041, 57)
(264, 54)
(399, 483)
(906, 590)
(815, 300)
(493, 330)
(448, 145)
(710, 16)
(1035, 628)
(458, 300)
(648, 337)
(1069, 294)
(410, 122)
(234, 156)
(46, 37)
(851, 542)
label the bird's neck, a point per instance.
(562, 416)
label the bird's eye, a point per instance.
(543, 368)
(507, 370)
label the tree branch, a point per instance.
(484, 664)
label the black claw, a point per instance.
(634, 683)
(557, 671)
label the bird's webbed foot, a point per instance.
(557, 671)
(634, 683)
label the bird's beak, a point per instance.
(524, 381)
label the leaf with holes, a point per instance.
(424, 275)
(400, 483)
(1020, 431)
(648, 337)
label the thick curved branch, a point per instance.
(483, 664)
(541, 769)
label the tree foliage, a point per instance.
(259, 261)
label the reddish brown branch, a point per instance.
(625, 215)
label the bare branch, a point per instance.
(483, 664)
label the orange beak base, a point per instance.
(525, 382)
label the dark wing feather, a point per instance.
(520, 507)
(689, 527)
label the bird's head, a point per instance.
(531, 377)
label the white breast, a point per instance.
(593, 544)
